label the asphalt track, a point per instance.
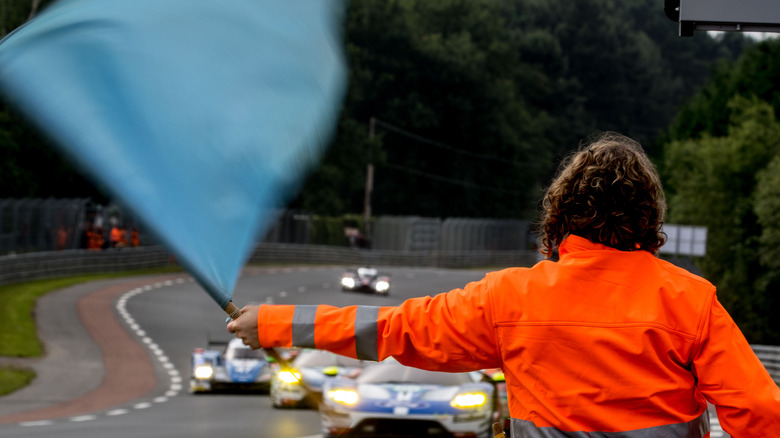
(100, 363)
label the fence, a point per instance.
(26, 267)
(36, 225)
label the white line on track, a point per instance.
(116, 412)
(36, 423)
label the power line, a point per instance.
(448, 147)
(449, 180)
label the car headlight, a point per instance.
(469, 400)
(343, 396)
(204, 372)
(382, 286)
(348, 282)
(288, 376)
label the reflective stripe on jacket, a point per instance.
(602, 343)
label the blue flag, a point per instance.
(202, 116)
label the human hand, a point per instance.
(245, 326)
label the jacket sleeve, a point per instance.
(451, 331)
(733, 379)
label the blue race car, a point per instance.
(390, 399)
(233, 367)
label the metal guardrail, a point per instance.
(51, 264)
(770, 357)
(31, 266)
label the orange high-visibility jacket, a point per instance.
(612, 343)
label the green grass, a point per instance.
(12, 379)
(18, 335)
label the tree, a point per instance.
(29, 164)
(714, 182)
(767, 208)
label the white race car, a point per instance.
(365, 279)
(390, 399)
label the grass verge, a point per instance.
(18, 334)
(12, 379)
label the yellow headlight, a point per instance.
(343, 396)
(204, 372)
(469, 400)
(288, 376)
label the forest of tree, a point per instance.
(722, 170)
(479, 99)
(476, 101)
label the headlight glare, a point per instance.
(348, 282)
(343, 396)
(469, 400)
(289, 376)
(204, 372)
(382, 286)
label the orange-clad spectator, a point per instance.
(134, 239)
(115, 237)
(95, 239)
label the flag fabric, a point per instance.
(201, 116)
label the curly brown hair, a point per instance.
(608, 192)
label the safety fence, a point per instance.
(770, 357)
(35, 225)
(31, 266)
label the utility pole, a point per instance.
(369, 181)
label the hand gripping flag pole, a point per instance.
(200, 116)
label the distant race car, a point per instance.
(229, 365)
(390, 399)
(365, 279)
(301, 386)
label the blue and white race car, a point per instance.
(390, 399)
(233, 367)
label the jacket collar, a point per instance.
(573, 243)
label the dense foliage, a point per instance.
(479, 99)
(723, 171)
(476, 101)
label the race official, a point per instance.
(609, 341)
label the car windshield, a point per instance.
(397, 373)
(325, 359)
(244, 353)
(366, 272)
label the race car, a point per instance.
(390, 399)
(301, 385)
(229, 365)
(365, 279)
